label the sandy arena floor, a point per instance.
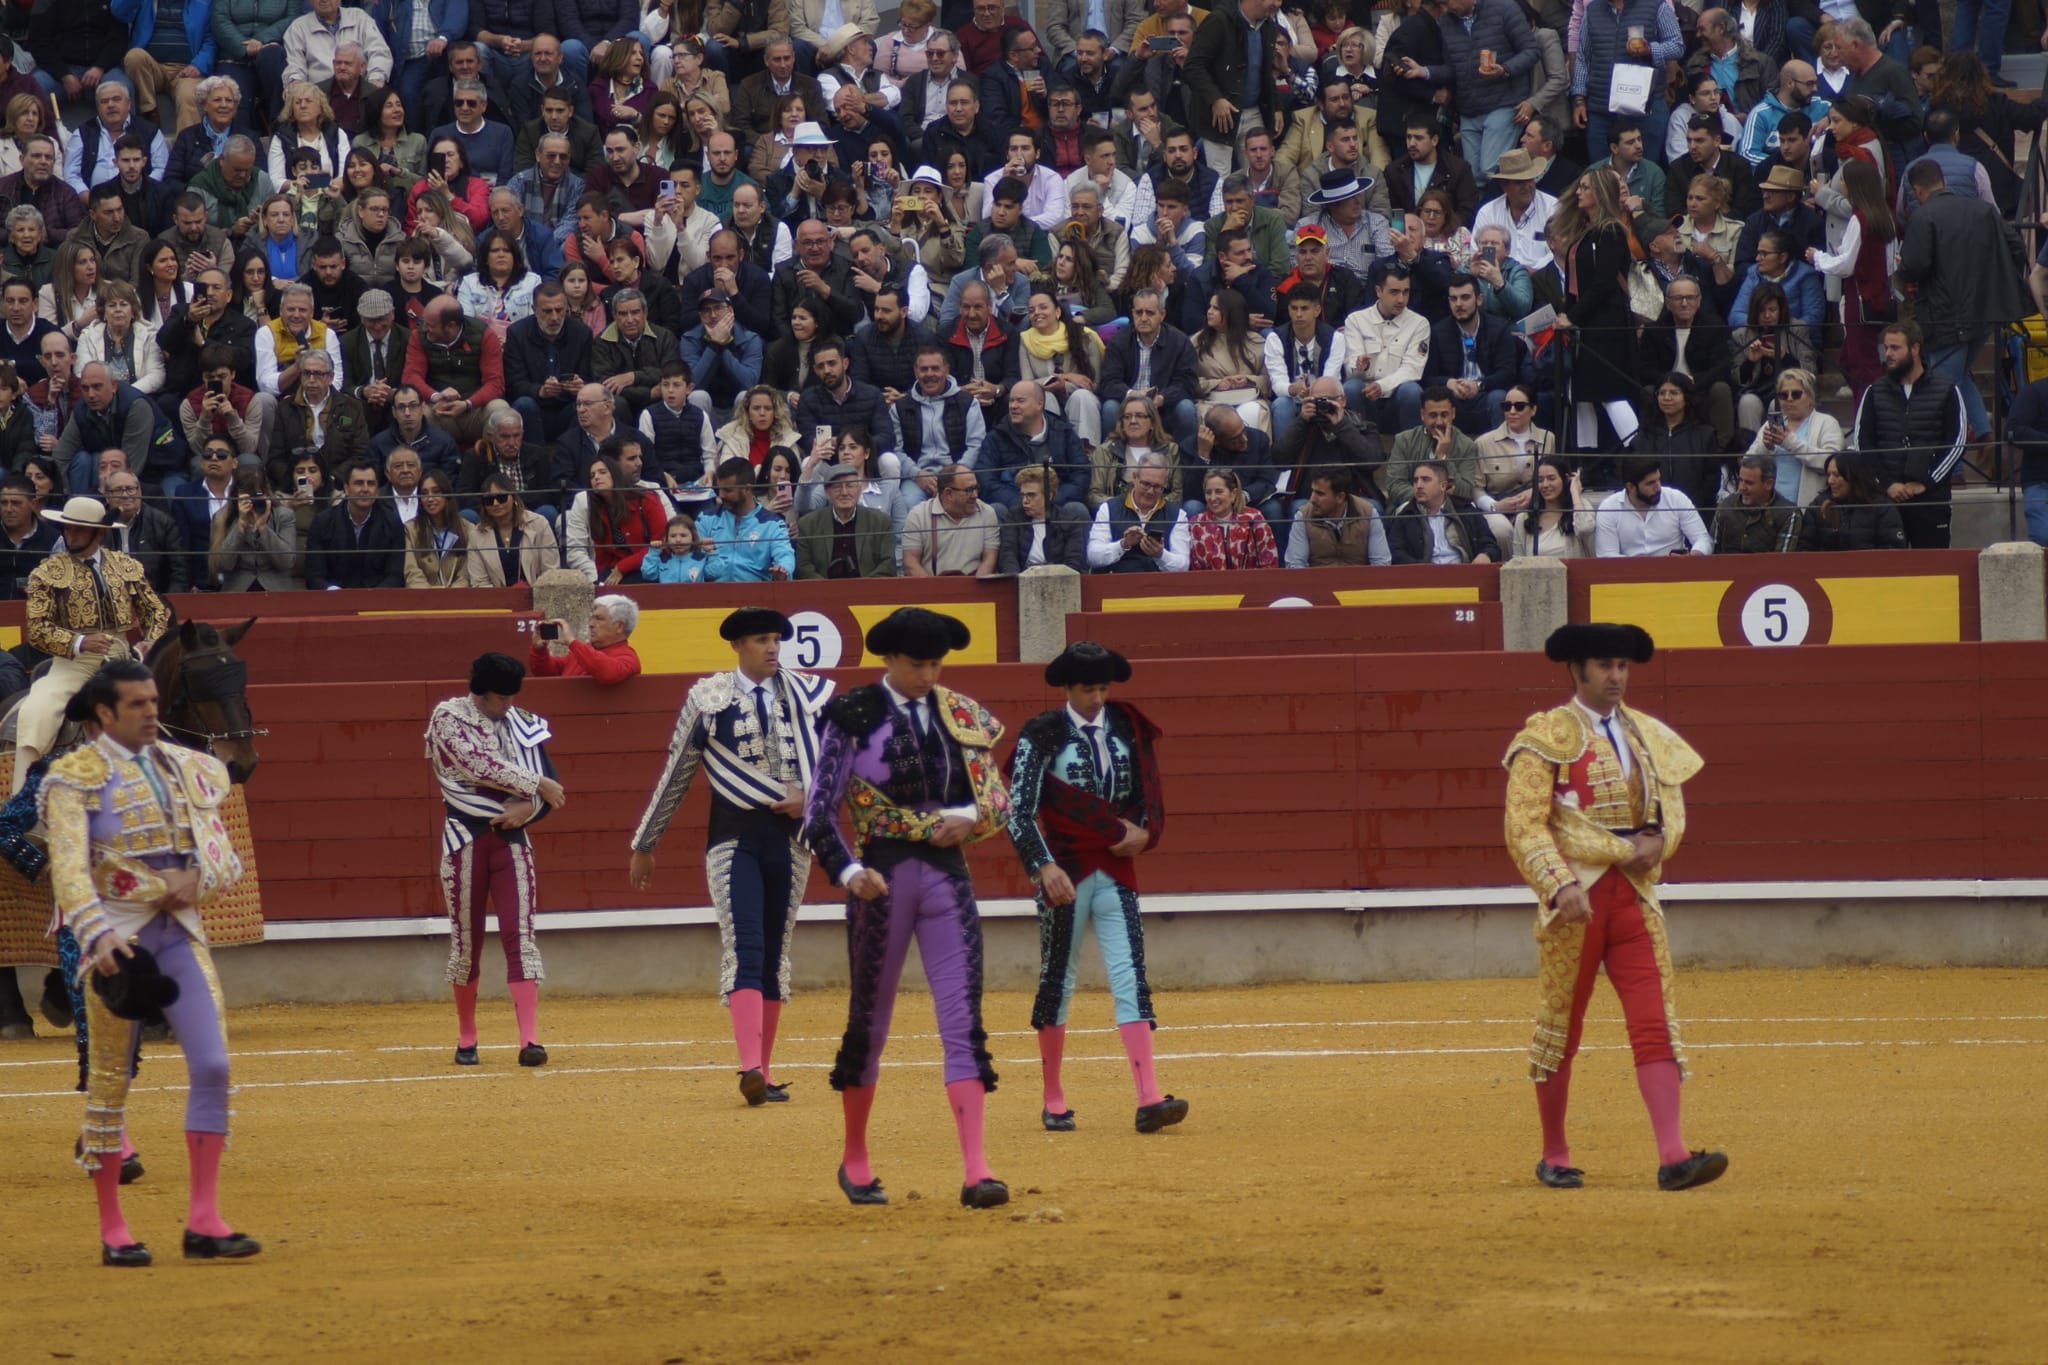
(1355, 1177)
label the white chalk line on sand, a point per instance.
(1262, 1054)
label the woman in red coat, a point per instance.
(611, 525)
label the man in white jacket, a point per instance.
(1385, 346)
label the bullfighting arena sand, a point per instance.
(1354, 1183)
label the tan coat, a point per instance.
(537, 553)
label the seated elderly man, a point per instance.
(605, 656)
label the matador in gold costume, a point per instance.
(137, 843)
(1595, 807)
(82, 605)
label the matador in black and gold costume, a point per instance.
(1595, 807)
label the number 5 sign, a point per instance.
(816, 643)
(1776, 614)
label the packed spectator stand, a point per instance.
(446, 294)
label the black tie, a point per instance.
(99, 587)
(1095, 760)
(1307, 361)
(376, 361)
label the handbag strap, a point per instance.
(1999, 151)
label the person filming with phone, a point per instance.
(603, 653)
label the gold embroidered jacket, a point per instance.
(64, 604)
(104, 820)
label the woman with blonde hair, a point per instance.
(1226, 534)
(900, 55)
(1139, 433)
(1707, 230)
(1590, 233)
(26, 116)
(1798, 436)
(1349, 60)
(760, 422)
(308, 122)
(71, 300)
(121, 340)
(437, 538)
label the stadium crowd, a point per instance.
(452, 292)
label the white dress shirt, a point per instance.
(1616, 732)
(1623, 531)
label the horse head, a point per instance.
(204, 686)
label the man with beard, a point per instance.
(1644, 518)
(1912, 429)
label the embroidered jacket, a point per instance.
(749, 770)
(481, 763)
(1054, 784)
(64, 603)
(111, 835)
(870, 758)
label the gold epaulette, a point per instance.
(85, 767)
(1556, 736)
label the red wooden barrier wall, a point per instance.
(1303, 773)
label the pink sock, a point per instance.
(127, 1147)
(526, 1008)
(1551, 1098)
(967, 1098)
(1138, 1047)
(771, 1015)
(1052, 1047)
(1659, 1083)
(203, 1216)
(106, 1187)
(746, 1026)
(855, 1102)
(465, 1015)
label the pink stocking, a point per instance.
(106, 1187)
(1137, 1038)
(855, 1102)
(203, 1216)
(746, 1026)
(1659, 1083)
(526, 1008)
(465, 1015)
(771, 1016)
(1551, 1098)
(1052, 1048)
(967, 1098)
(127, 1147)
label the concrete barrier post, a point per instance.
(1535, 599)
(2012, 592)
(1044, 597)
(567, 594)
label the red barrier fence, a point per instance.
(1297, 773)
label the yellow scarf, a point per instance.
(1042, 346)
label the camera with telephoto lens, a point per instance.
(1322, 409)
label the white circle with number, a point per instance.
(1776, 615)
(816, 643)
(1290, 602)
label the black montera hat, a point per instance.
(755, 621)
(917, 632)
(138, 989)
(1084, 662)
(1599, 640)
(498, 673)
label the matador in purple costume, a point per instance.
(912, 761)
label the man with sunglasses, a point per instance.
(485, 141)
(198, 504)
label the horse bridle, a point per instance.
(214, 680)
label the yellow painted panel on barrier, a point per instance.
(978, 617)
(461, 611)
(10, 636)
(682, 640)
(1677, 615)
(1395, 597)
(1916, 610)
(1194, 601)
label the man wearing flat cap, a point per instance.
(1595, 807)
(754, 731)
(490, 758)
(914, 764)
(1085, 801)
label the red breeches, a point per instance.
(1617, 938)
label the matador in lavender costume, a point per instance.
(753, 731)
(1085, 801)
(913, 764)
(136, 844)
(1595, 807)
(491, 763)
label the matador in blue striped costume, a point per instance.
(753, 729)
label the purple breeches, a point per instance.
(196, 1018)
(935, 905)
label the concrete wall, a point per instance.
(1190, 951)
